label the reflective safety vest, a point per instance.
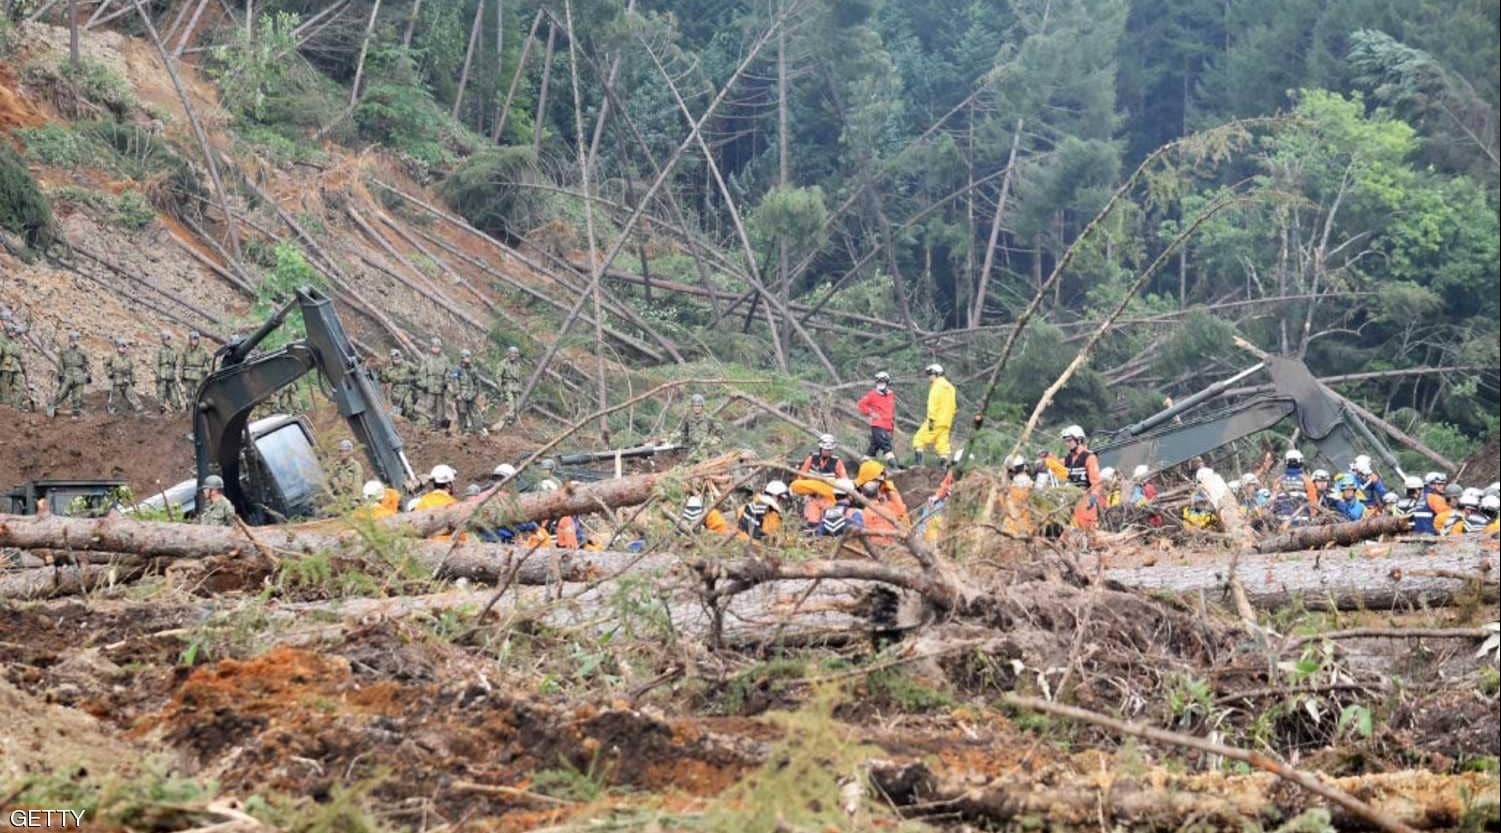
(1423, 516)
(838, 518)
(1408, 506)
(752, 519)
(1077, 463)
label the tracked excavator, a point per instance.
(270, 466)
(1172, 436)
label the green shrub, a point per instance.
(484, 191)
(133, 210)
(84, 90)
(23, 208)
(60, 146)
(398, 111)
(168, 180)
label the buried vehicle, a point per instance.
(281, 477)
(74, 498)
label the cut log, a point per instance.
(1314, 537)
(1163, 801)
(1373, 577)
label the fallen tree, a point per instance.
(1314, 537)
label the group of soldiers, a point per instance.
(176, 371)
(421, 391)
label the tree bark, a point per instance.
(74, 59)
(547, 56)
(1315, 537)
(479, 18)
(406, 36)
(359, 66)
(978, 309)
(526, 49)
(1377, 577)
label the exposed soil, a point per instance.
(1484, 466)
(147, 452)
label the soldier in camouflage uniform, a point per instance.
(466, 394)
(195, 365)
(216, 509)
(73, 376)
(401, 378)
(13, 390)
(120, 369)
(168, 366)
(510, 381)
(432, 382)
(699, 434)
(346, 477)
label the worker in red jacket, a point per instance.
(879, 406)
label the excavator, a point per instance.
(270, 466)
(1166, 439)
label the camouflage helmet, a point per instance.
(698, 399)
(395, 354)
(73, 336)
(346, 446)
(513, 350)
(166, 335)
(435, 342)
(193, 335)
(213, 481)
(466, 355)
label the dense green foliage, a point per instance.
(23, 208)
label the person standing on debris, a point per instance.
(878, 405)
(1348, 504)
(699, 433)
(168, 365)
(466, 394)
(12, 368)
(1367, 481)
(196, 364)
(1081, 468)
(432, 381)
(1143, 490)
(442, 492)
(509, 377)
(1294, 500)
(401, 379)
(217, 510)
(844, 514)
(942, 405)
(823, 460)
(1466, 517)
(1321, 494)
(120, 369)
(1435, 507)
(346, 474)
(73, 376)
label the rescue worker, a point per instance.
(1199, 513)
(1389, 503)
(1321, 494)
(432, 386)
(1490, 507)
(844, 514)
(402, 381)
(1466, 518)
(540, 535)
(1143, 490)
(441, 493)
(699, 433)
(379, 501)
(12, 369)
(194, 367)
(166, 364)
(1412, 499)
(696, 517)
(1110, 487)
(878, 406)
(567, 532)
(1348, 503)
(1016, 507)
(74, 375)
(120, 369)
(942, 404)
(1367, 481)
(1081, 468)
(1293, 497)
(818, 495)
(762, 516)
(466, 394)
(346, 474)
(509, 377)
(216, 509)
(889, 498)
(1435, 509)
(823, 460)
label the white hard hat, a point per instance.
(1435, 477)
(443, 474)
(1320, 474)
(1412, 481)
(1491, 503)
(1494, 489)
(505, 470)
(775, 488)
(1362, 464)
(1389, 497)
(1248, 478)
(694, 502)
(1016, 461)
(844, 486)
(1021, 481)
(934, 369)
(373, 489)
(1203, 474)
(1072, 432)
(1293, 456)
(826, 442)
(1470, 497)
(1140, 472)
(1107, 473)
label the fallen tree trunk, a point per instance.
(1164, 801)
(1377, 577)
(65, 580)
(1314, 537)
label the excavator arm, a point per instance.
(243, 381)
(1159, 442)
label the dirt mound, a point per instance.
(147, 452)
(39, 738)
(1484, 466)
